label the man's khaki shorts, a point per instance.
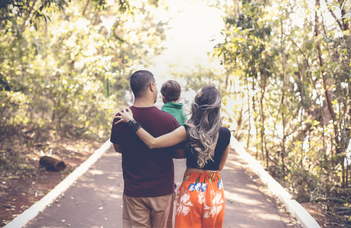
(155, 212)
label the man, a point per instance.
(148, 174)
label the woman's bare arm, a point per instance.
(167, 140)
(224, 158)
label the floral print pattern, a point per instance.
(215, 206)
(200, 201)
(184, 203)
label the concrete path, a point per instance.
(95, 200)
(246, 206)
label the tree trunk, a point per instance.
(263, 90)
(255, 116)
(29, 14)
(324, 84)
(248, 105)
(283, 96)
(227, 74)
(85, 7)
(52, 164)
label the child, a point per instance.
(170, 91)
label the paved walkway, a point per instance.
(95, 200)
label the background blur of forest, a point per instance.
(283, 70)
(289, 62)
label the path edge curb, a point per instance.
(22, 219)
(299, 212)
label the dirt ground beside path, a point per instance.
(24, 183)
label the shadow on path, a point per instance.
(95, 200)
(246, 205)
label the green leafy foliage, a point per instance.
(68, 69)
(281, 71)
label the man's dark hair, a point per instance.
(140, 81)
(171, 90)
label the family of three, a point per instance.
(149, 139)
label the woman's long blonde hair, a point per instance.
(204, 124)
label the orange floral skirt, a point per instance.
(200, 201)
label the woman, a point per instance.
(201, 200)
